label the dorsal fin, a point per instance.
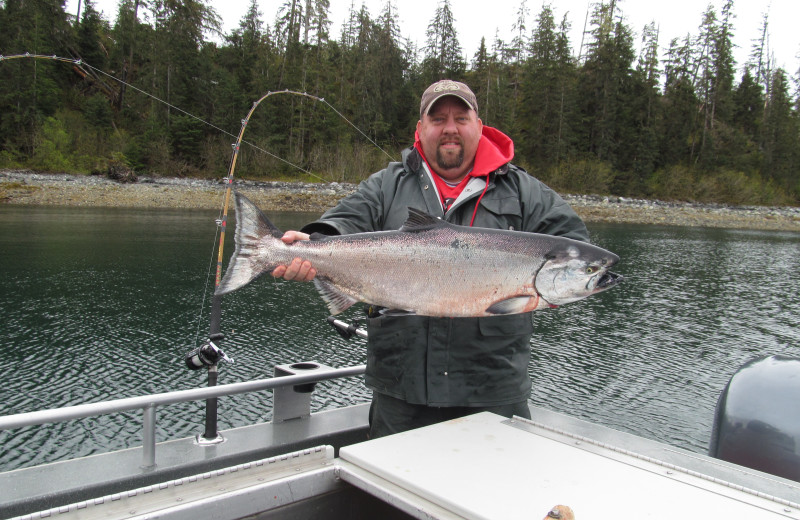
(418, 220)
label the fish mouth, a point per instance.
(608, 280)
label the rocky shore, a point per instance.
(30, 188)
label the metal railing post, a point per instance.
(149, 436)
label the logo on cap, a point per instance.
(446, 85)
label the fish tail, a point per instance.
(248, 261)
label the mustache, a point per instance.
(450, 139)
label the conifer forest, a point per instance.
(161, 89)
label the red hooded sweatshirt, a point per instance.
(494, 150)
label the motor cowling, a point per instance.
(756, 422)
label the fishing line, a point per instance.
(80, 62)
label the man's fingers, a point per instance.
(298, 269)
(291, 237)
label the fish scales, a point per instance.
(439, 272)
(428, 267)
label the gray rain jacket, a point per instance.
(451, 361)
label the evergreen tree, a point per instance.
(503, 85)
(394, 99)
(518, 50)
(92, 32)
(177, 77)
(716, 69)
(679, 105)
(781, 136)
(748, 105)
(747, 117)
(31, 90)
(759, 56)
(288, 25)
(93, 46)
(605, 87)
(129, 35)
(519, 43)
(548, 94)
(645, 109)
(482, 78)
(321, 72)
(249, 58)
(443, 55)
(317, 22)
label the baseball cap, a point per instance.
(446, 87)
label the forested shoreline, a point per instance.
(27, 188)
(160, 90)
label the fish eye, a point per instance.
(591, 269)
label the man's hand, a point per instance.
(299, 269)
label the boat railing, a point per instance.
(296, 379)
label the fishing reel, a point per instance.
(205, 356)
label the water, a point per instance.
(99, 304)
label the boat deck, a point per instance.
(483, 467)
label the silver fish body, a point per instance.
(428, 267)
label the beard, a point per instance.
(449, 161)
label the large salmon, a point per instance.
(428, 267)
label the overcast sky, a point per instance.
(675, 19)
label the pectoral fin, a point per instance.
(514, 305)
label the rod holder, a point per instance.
(294, 402)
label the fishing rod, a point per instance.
(215, 332)
(209, 354)
(211, 435)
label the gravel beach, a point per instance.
(30, 188)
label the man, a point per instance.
(424, 370)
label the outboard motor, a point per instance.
(757, 420)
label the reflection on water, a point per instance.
(101, 304)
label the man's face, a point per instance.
(449, 135)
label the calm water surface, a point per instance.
(100, 304)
